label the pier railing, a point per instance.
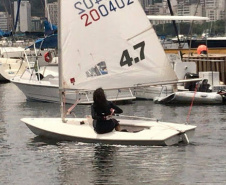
(210, 62)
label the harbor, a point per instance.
(82, 107)
(213, 61)
(210, 62)
(27, 159)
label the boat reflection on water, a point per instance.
(34, 160)
(103, 164)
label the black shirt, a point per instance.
(100, 124)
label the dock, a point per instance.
(194, 51)
(209, 62)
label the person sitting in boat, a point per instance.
(102, 111)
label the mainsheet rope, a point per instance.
(73, 106)
(117, 96)
(192, 101)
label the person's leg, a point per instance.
(117, 127)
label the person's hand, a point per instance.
(108, 117)
(112, 111)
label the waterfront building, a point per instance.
(51, 12)
(36, 24)
(24, 21)
(4, 21)
(190, 9)
(215, 9)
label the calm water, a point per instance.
(30, 160)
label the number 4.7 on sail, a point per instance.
(126, 59)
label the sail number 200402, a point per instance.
(102, 10)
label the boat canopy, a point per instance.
(176, 18)
(5, 34)
(47, 42)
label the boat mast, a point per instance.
(224, 18)
(17, 15)
(61, 89)
(48, 16)
(174, 22)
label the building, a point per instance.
(52, 13)
(215, 9)
(4, 21)
(36, 24)
(155, 9)
(24, 21)
(165, 6)
(190, 10)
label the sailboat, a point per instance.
(40, 80)
(118, 34)
(10, 57)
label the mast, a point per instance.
(174, 22)
(225, 18)
(17, 15)
(61, 89)
(48, 16)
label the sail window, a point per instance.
(97, 70)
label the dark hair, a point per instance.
(99, 98)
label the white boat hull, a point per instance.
(9, 68)
(149, 93)
(187, 96)
(2, 79)
(48, 91)
(139, 132)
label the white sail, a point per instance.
(109, 44)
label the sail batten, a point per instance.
(140, 33)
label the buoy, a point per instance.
(202, 49)
(48, 57)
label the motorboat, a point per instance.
(198, 93)
(180, 68)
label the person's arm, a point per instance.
(117, 110)
(94, 114)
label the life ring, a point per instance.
(48, 57)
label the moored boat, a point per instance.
(186, 97)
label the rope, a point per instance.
(117, 95)
(21, 63)
(136, 117)
(152, 119)
(192, 101)
(185, 137)
(190, 32)
(73, 106)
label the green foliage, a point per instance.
(214, 28)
